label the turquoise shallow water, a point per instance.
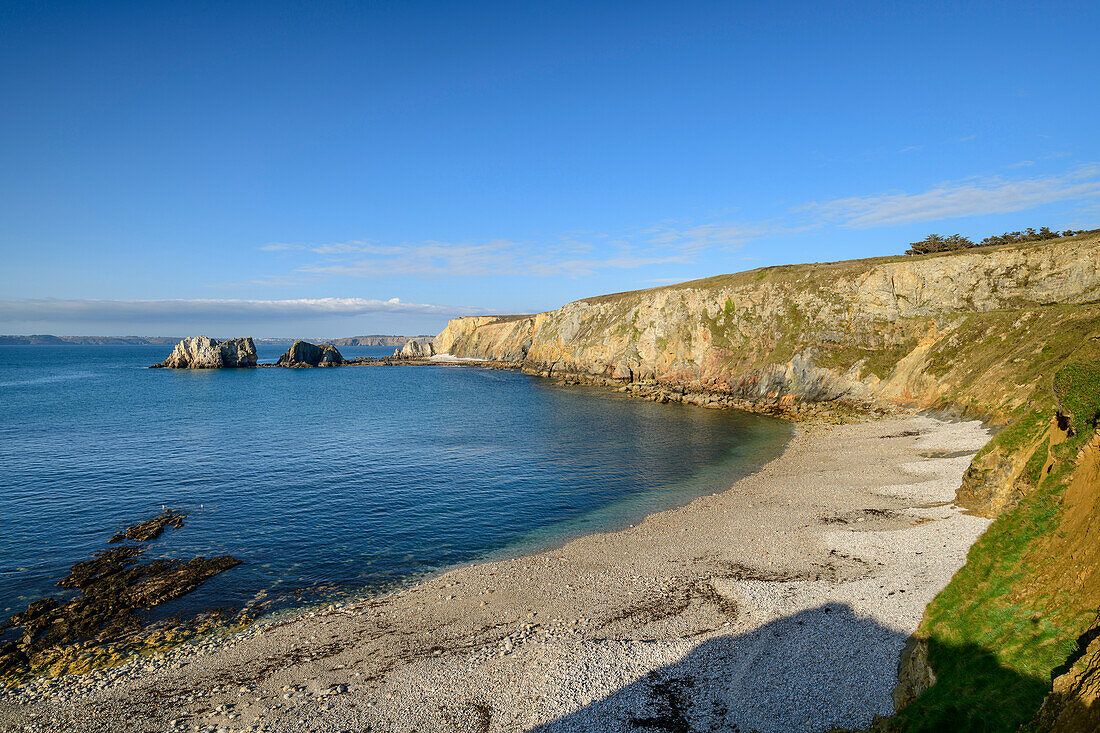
(331, 480)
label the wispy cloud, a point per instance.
(973, 197)
(568, 256)
(92, 311)
(680, 241)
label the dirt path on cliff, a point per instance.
(779, 604)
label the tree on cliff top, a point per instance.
(939, 243)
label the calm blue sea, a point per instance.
(328, 481)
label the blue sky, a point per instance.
(328, 169)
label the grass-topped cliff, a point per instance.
(1009, 334)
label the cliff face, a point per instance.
(1010, 334)
(397, 341)
(200, 352)
(862, 330)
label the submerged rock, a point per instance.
(201, 352)
(113, 588)
(151, 528)
(305, 354)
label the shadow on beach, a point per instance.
(818, 670)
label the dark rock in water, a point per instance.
(114, 587)
(102, 564)
(166, 580)
(201, 352)
(305, 354)
(151, 528)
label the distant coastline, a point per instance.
(50, 340)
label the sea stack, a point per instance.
(414, 349)
(305, 354)
(201, 352)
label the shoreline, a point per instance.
(829, 553)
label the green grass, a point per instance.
(1022, 430)
(1077, 387)
(995, 633)
(992, 650)
(1034, 468)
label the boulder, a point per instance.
(417, 350)
(201, 352)
(305, 354)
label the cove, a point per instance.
(333, 481)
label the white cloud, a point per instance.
(43, 310)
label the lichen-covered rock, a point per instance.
(305, 354)
(201, 352)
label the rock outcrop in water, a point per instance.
(201, 352)
(416, 349)
(150, 529)
(114, 589)
(305, 354)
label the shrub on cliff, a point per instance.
(938, 243)
(1030, 235)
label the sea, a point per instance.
(331, 482)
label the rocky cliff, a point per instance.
(305, 354)
(863, 331)
(200, 352)
(1008, 334)
(397, 341)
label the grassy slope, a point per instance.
(1005, 621)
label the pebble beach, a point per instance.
(778, 604)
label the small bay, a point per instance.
(331, 481)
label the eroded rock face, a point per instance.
(305, 354)
(417, 350)
(201, 352)
(807, 333)
(1074, 703)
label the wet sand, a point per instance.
(779, 604)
